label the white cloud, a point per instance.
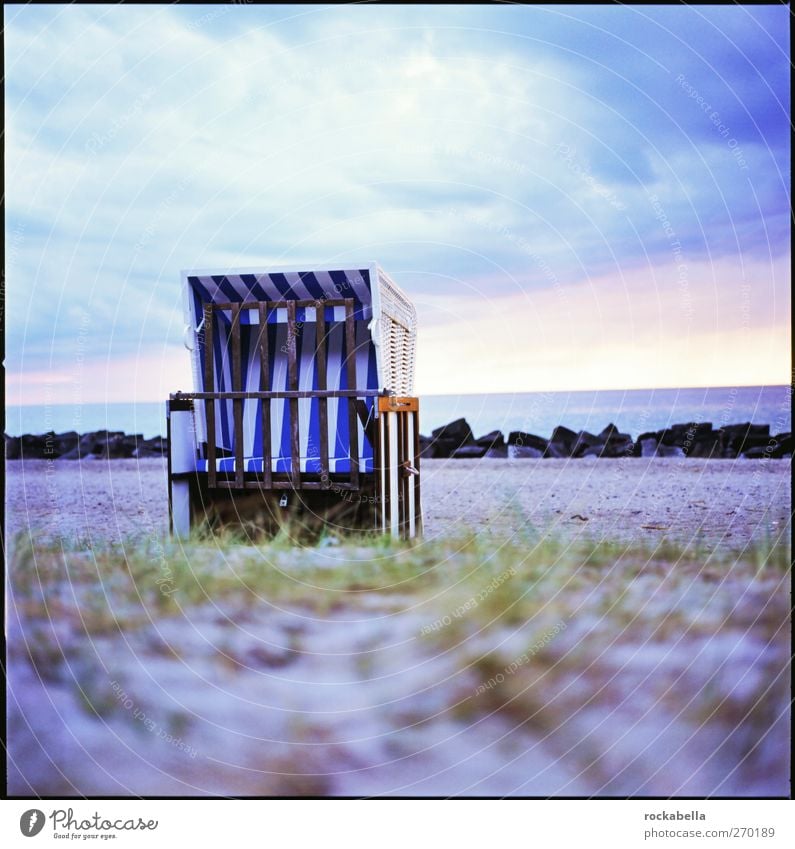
(141, 140)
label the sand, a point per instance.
(644, 676)
(718, 503)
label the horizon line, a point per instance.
(466, 394)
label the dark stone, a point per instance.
(458, 431)
(499, 452)
(705, 449)
(757, 453)
(684, 435)
(648, 446)
(469, 452)
(775, 448)
(72, 446)
(651, 434)
(446, 439)
(583, 442)
(524, 452)
(36, 446)
(736, 439)
(610, 443)
(610, 432)
(669, 451)
(157, 444)
(13, 447)
(561, 443)
(783, 445)
(108, 445)
(144, 453)
(426, 447)
(527, 440)
(439, 448)
(65, 442)
(495, 439)
(555, 451)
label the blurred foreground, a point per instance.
(465, 665)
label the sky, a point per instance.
(573, 197)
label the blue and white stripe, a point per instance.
(316, 285)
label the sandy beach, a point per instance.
(610, 628)
(717, 503)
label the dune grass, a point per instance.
(537, 632)
(121, 586)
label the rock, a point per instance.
(648, 447)
(65, 442)
(705, 448)
(684, 435)
(449, 437)
(783, 445)
(669, 451)
(524, 452)
(495, 439)
(527, 440)
(469, 452)
(458, 430)
(157, 444)
(652, 434)
(609, 432)
(437, 448)
(611, 443)
(757, 453)
(775, 448)
(584, 441)
(144, 453)
(696, 439)
(13, 447)
(562, 442)
(736, 439)
(499, 452)
(555, 451)
(426, 447)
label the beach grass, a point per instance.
(541, 633)
(513, 581)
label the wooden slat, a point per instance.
(264, 385)
(292, 377)
(353, 424)
(403, 437)
(417, 503)
(376, 466)
(280, 305)
(385, 473)
(237, 386)
(288, 484)
(322, 371)
(397, 404)
(209, 381)
(310, 393)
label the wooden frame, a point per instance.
(395, 484)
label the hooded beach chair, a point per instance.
(302, 403)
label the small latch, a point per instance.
(407, 470)
(283, 500)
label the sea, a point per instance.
(633, 411)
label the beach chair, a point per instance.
(302, 405)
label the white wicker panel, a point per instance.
(398, 337)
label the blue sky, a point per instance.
(575, 197)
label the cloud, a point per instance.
(512, 149)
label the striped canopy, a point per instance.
(250, 286)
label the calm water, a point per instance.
(633, 411)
